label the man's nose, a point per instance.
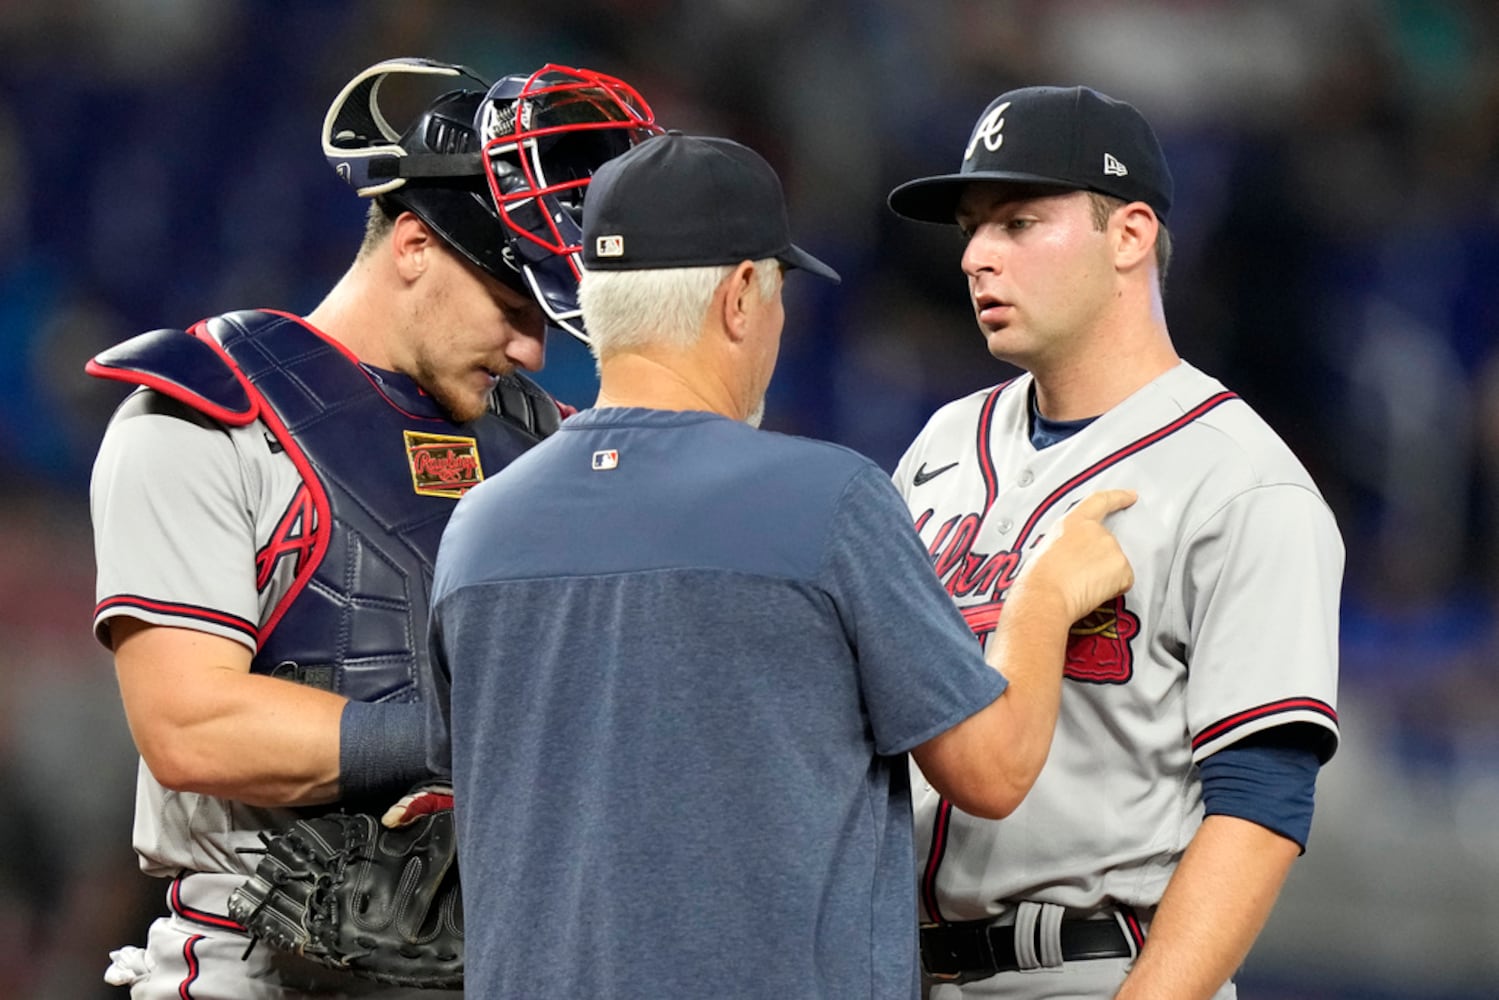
(527, 349)
(981, 254)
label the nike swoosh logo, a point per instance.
(923, 476)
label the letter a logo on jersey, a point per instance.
(989, 131)
(295, 536)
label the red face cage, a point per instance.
(543, 137)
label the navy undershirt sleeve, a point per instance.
(1267, 779)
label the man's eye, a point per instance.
(1020, 223)
(518, 313)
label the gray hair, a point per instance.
(628, 310)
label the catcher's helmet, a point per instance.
(500, 173)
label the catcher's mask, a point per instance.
(499, 173)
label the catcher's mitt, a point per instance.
(377, 898)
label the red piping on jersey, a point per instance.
(991, 492)
(1233, 722)
(989, 613)
(934, 859)
(180, 908)
(183, 610)
(304, 469)
(190, 959)
(1140, 444)
(986, 454)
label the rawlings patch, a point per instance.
(443, 465)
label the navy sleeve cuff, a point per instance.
(1268, 781)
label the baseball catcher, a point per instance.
(267, 509)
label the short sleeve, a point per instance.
(174, 536)
(921, 669)
(1261, 585)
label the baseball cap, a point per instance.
(688, 201)
(1066, 137)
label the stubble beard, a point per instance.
(461, 407)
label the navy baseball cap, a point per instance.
(688, 201)
(1066, 137)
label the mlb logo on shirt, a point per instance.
(605, 460)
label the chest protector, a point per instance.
(381, 467)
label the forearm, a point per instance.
(254, 739)
(988, 762)
(1214, 907)
(1029, 647)
(323, 747)
(203, 723)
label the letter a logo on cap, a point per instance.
(989, 131)
(1113, 167)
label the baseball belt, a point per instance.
(975, 949)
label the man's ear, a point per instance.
(412, 244)
(1138, 230)
(740, 294)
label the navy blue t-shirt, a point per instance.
(679, 663)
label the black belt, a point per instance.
(983, 948)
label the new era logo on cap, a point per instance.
(1112, 166)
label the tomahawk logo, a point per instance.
(989, 131)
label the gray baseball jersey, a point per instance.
(1230, 628)
(166, 548)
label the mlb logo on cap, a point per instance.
(689, 201)
(604, 460)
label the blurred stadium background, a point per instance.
(1337, 166)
